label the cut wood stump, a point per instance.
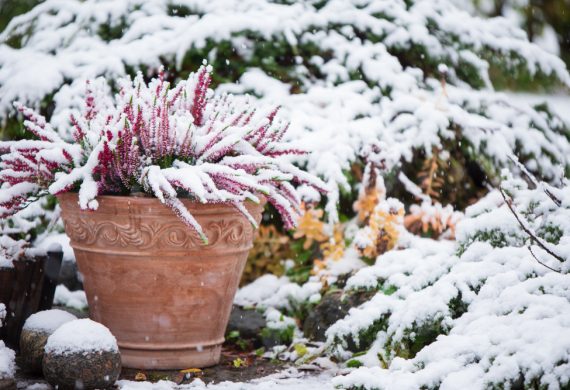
(25, 289)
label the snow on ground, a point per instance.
(290, 379)
(74, 299)
(7, 356)
(80, 336)
(7, 362)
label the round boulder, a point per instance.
(82, 354)
(37, 329)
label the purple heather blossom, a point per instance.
(167, 141)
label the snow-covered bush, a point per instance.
(395, 99)
(474, 313)
(413, 75)
(19, 232)
(495, 316)
(161, 140)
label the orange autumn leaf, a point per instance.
(366, 203)
(310, 227)
(334, 247)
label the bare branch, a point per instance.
(527, 230)
(534, 180)
(540, 262)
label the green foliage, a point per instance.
(10, 9)
(551, 233)
(112, 29)
(301, 349)
(283, 336)
(181, 11)
(354, 363)
(366, 336)
(416, 338)
(457, 306)
(496, 237)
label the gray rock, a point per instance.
(32, 343)
(248, 323)
(82, 370)
(333, 307)
(37, 329)
(69, 276)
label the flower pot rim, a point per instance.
(192, 204)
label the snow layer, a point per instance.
(74, 299)
(261, 289)
(490, 317)
(48, 320)
(46, 242)
(481, 312)
(352, 92)
(290, 379)
(7, 362)
(80, 336)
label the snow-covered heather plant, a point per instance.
(168, 141)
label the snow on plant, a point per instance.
(18, 232)
(361, 72)
(480, 312)
(494, 315)
(533, 216)
(168, 141)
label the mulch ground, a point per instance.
(249, 367)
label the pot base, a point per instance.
(170, 359)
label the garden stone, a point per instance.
(37, 329)
(248, 323)
(69, 275)
(332, 308)
(82, 354)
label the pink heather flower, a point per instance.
(167, 141)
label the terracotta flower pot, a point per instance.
(165, 295)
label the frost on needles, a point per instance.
(171, 142)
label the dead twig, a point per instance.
(534, 181)
(527, 230)
(540, 262)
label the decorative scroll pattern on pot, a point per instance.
(86, 231)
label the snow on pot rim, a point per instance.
(81, 336)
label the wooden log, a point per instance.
(52, 268)
(27, 288)
(6, 284)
